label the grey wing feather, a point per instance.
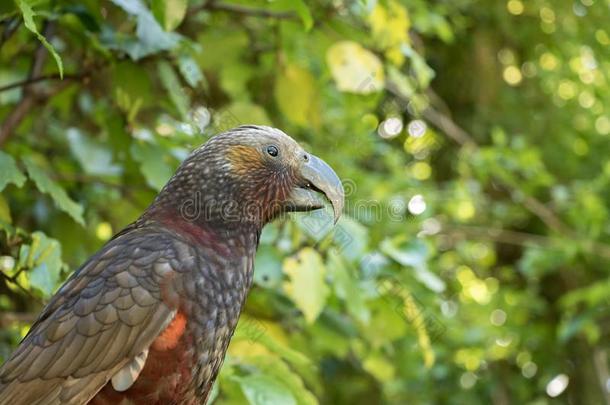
(106, 314)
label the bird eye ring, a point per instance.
(272, 150)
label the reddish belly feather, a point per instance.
(166, 374)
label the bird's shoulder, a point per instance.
(110, 309)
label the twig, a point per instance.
(245, 10)
(446, 124)
(439, 120)
(546, 215)
(11, 26)
(15, 117)
(34, 80)
(29, 96)
(505, 236)
(33, 96)
(12, 279)
(600, 362)
(9, 318)
(518, 238)
(449, 127)
(532, 204)
(23, 108)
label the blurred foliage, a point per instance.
(470, 266)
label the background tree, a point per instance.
(473, 138)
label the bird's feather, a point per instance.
(99, 322)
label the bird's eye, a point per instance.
(272, 150)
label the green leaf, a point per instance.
(9, 172)
(299, 7)
(8, 77)
(152, 163)
(190, 71)
(413, 254)
(132, 86)
(169, 13)
(379, 367)
(317, 224)
(265, 390)
(351, 238)
(303, 11)
(268, 267)
(390, 24)
(592, 296)
(150, 36)
(43, 258)
(234, 80)
(253, 330)
(404, 84)
(276, 369)
(59, 196)
(93, 156)
(423, 72)
(28, 19)
(173, 87)
(239, 113)
(354, 68)
(5, 212)
(307, 286)
(387, 317)
(346, 287)
(582, 324)
(296, 96)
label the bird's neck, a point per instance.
(208, 231)
(215, 213)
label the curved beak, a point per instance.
(318, 178)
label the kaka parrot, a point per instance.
(148, 318)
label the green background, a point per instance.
(471, 265)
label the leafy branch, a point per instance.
(245, 10)
(517, 238)
(33, 80)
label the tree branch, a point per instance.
(245, 10)
(449, 127)
(517, 238)
(11, 26)
(32, 95)
(600, 362)
(13, 280)
(446, 124)
(29, 95)
(12, 121)
(547, 216)
(10, 318)
(38, 79)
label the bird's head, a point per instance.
(253, 173)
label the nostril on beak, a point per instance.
(305, 157)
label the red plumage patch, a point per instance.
(169, 338)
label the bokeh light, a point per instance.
(498, 317)
(515, 7)
(602, 125)
(529, 369)
(548, 61)
(421, 170)
(390, 128)
(417, 204)
(512, 75)
(417, 128)
(103, 231)
(557, 385)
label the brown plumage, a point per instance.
(148, 318)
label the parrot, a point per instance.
(148, 318)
